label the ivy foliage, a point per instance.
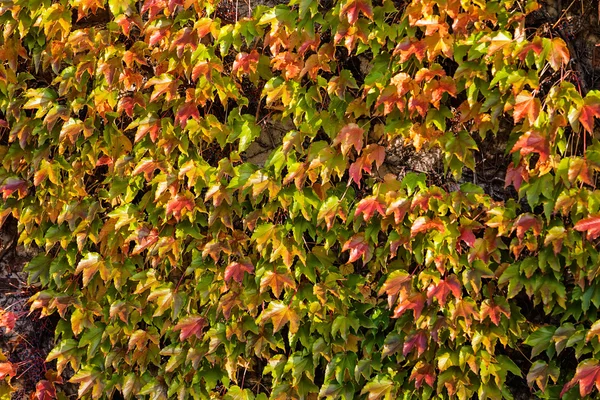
(181, 269)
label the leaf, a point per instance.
(443, 288)
(532, 142)
(415, 302)
(276, 281)
(369, 206)
(87, 378)
(178, 204)
(539, 373)
(45, 390)
(526, 222)
(378, 388)
(280, 314)
(350, 136)
(235, 270)
(490, 309)
(591, 225)
(7, 369)
(8, 320)
(540, 339)
(423, 224)
(396, 282)
(589, 110)
(515, 176)
(89, 265)
(351, 9)
(558, 55)
(526, 105)
(11, 185)
(359, 247)
(192, 325)
(418, 340)
(422, 372)
(587, 375)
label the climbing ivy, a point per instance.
(180, 268)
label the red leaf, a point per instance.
(423, 224)
(246, 63)
(490, 309)
(350, 136)
(176, 205)
(588, 112)
(353, 7)
(416, 302)
(419, 340)
(591, 225)
(443, 289)
(587, 375)
(368, 206)
(536, 46)
(11, 185)
(532, 142)
(358, 247)
(515, 176)
(528, 106)
(422, 372)
(407, 48)
(45, 390)
(525, 222)
(235, 271)
(190, 326)
(185, 37)
(7, 369)
(8, 320)
(186, 111)
(467, 236)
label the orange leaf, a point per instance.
(8, 320)
(587, 114)
(7, 369)
(368, 206)
(532, 142)
(559, 54)
(276, 282)
(528, 106)
(423, 224)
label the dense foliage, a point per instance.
(181, 269)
